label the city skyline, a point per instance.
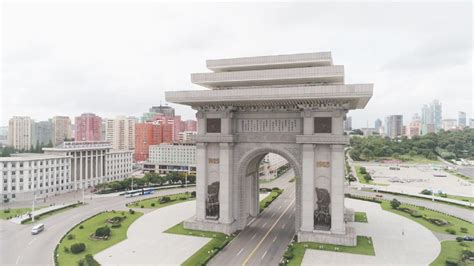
(417, 60)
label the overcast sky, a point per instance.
(119, 59)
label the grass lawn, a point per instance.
(204, 254)
(455, 223)
(360, 217)
(264, 203)
(18, 211)
(451, 249)
(94, 246)
(296, 250)
(154, 203)
(360, 176)
(264, 181)
(51, 213)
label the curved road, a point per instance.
(19, 247)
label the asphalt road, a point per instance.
(266, 237)
(463, 213)
(466, 170)
(19, 247)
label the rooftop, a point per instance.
(30, 157)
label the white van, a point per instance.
(37, 229)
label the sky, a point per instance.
(68, 58)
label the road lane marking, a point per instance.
(283, 226)
(275, 238)
(264, 224)
(272, 215)
(251, 221)
(279, 207)
(265, 236)
(264, 253)
(31, 241)
(17, 260)
(242, 249)
(253, 236)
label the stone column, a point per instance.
(337, 189)
(226, 181)
(75, 170)
(81, 174)
(96, 161)
(307, 184)
(201, 123)
(254, 194)
(201, 180)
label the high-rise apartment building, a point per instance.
(378, 124)
(414, 128)
(88, 127)
(189, 125)
(157, 110)
(120, 132)
(42, 133)
(431, 118)
(462, 119)
(3, 136)
(394, 126)
(20, 132)
(146, 134)
(62, 129)
(471, 123)
(449, 124)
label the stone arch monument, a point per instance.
(291, 105)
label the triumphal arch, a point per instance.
(292, 105)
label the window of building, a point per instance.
(322, 125)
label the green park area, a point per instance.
(454, 253)
(163, 201)
(295, 252)
(217, 242)
(360, 217)
(434, 221)
(264, 203)
(8, 213)
(92, 236)
(363, 176)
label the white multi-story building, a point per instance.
(186, 136)
(269, 166)
(449, 124)
(164, 158)
(94, 162)
(120, 132)
(20, 132)
(24, 175)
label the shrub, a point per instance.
(451, 262)
(451, 231)
(115, 220)
(275, 189)
(6, 211)
(362, 170)
(193, 194)
(416, 214)
(102, 231)
(459, 239)
(116, 225)
(70, 237)
(464, 230)
(91, 261)
(426, 192)
(66, 249)
(123, 214)
(165, 199)
(77, 248)
(152, 204)
(131, 211)
(81, 226)
(395, 204)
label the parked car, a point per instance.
(468, 238)
(37, 229)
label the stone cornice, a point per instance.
(213, 138)
(323, 139)
(353, 96)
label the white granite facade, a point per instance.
(291, 105)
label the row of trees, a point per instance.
(150, 179)
(38, 148)
(447, 144)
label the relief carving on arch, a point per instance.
(322, 215)
(212, 201)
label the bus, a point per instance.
(137, 192)
(37, 229)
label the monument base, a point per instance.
(348, 215)
(210, 225)
(349, 238)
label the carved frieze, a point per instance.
(322, 215)
(212, 201)
(290, 125)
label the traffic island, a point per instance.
(77, 246)
(162, 201)
(296, 250)
(207, 252)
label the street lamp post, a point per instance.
(33, 207)
(185, 179)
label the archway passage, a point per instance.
(291, 105)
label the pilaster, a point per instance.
(201, 180)
(307, 183)
(226, 181)
(337, 189)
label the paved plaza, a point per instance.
(415, 178)
(397, 240)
